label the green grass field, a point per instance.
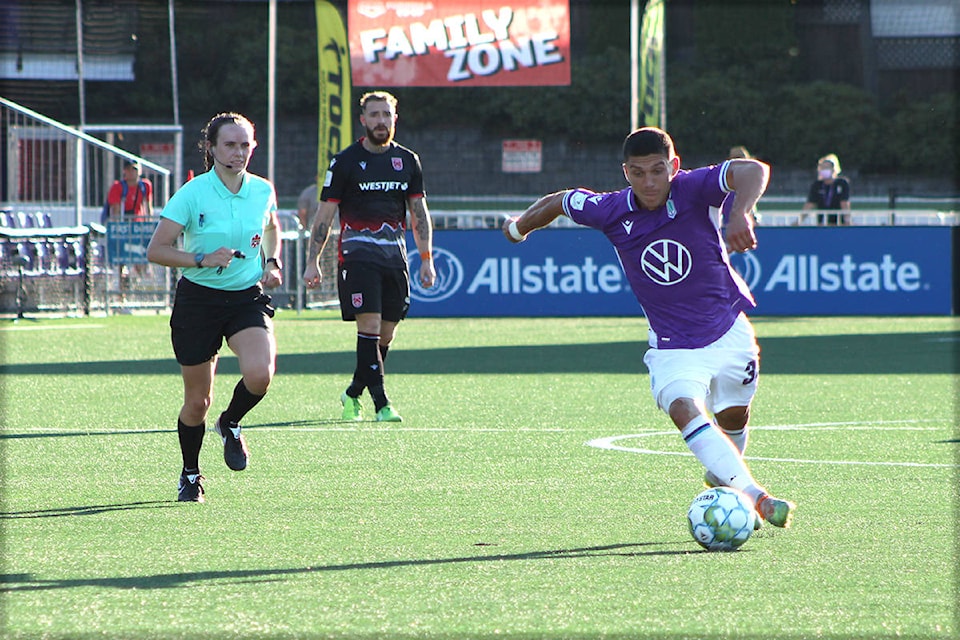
(532, 491)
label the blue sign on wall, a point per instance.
(127, 241)
(851, 271)
(794, 271)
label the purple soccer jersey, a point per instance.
(674, 257)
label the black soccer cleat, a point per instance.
(235, 452)
(190, 488)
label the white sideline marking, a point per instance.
(66, 327)
(609, 443)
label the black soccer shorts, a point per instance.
(370, 288)
(202, 317)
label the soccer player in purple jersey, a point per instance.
(703, 357)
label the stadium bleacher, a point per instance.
(29, 242)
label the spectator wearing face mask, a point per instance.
(829, 196)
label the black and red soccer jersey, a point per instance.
(371, 190)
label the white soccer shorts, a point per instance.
(722, 374)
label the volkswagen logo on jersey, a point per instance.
(448, 281)
(747, 265)
(666, 262)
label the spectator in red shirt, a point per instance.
(138, 203)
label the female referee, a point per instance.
(228, 218)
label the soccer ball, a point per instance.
(721, 519)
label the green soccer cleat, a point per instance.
(351, 408)
(777, 512)
(387, 414)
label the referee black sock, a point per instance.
(240, 405)
(191, 439)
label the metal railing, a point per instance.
(53, 185)
(859, 218)
(292, 293)
(61, 171)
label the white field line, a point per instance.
(610, 442)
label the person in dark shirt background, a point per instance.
(830, 194)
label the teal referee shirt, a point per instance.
(213, 217)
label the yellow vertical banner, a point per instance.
(334, 68)
(651, 66)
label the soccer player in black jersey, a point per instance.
(373, 183)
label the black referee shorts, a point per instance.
(365, 287)
(202, 317)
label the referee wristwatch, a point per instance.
(198, 259)
(276, 262)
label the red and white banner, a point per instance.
(522, 156)
(462, 43)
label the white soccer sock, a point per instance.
(738, 438)
(718, 454)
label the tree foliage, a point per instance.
(923, 136)
(817, 118)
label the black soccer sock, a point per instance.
(379, 396)
(355, 390)
(191, 439)
(369, 370)
(241, 404)
(377, 393)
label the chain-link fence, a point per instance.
(292, 294)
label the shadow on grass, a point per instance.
(347, 425)
(896, 353)
(88, 510)
(11, 582)
(74, 434)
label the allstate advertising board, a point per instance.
(794, 271)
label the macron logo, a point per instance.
(627, 226)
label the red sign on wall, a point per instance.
(461, 43)
(522, 156)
